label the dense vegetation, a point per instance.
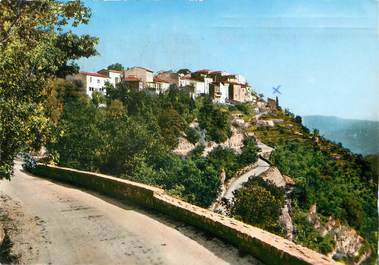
(259, 203)
(35, 47)
(133, 134)
(342, 184)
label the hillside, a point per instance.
(360, 136)
(253, 161)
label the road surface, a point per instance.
(262, 166)
(52, 223)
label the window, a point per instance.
(91, 89)
(98, 81)
(90, 79)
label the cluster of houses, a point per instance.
(222, 87)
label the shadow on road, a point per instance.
(219, 248)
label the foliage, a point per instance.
(116, 66)
(192, 135)
(33, 49)
(259, 203)
(224, 159)
(249, 152)
(245, 108)
(308, 236)
(171, 124)
(216, 120)
(340, 188)
(184, 71)
(28, 162)
(133, 134)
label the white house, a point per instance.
(113, 75)
(199, 87)
(158, 85)
(90, 81)
(219, 92)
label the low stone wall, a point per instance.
(269, 248)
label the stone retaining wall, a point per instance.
(269, 248)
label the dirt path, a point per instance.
(51, 223)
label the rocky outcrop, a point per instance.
(285, 220)
(274, 176)
(184, 147)
(348, 241)
(235, 142)
(265, 123)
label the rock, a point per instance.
(274, 176)
(348, 241)
(288, 180)
(184, 147)
(286, 221)
(235, 142)
(265, 123)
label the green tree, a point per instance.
(259, 203)
(193, 135)
(249, 152)
(224, 159)
(79, 135)
(184, 71)
(216, 120)
(33, 49)
(116, 66)
(171, 124)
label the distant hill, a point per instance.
(360, 136)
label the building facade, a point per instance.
(144, 74)
(113, 75)
(90, 81)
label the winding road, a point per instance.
(262, 166)
(53, 223)
(238, 182)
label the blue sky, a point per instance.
(324, 53)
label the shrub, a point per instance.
(193, 135)
(259, 203)
(29, 162)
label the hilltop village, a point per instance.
(222, 87)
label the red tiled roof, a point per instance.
(94, 74)
(131, 78)
(157, 79)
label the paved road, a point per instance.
(52, 223)
(262, 166)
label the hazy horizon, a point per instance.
(324, 54)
